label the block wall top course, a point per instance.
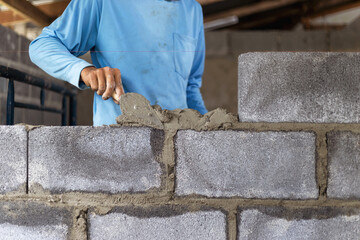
(299, 87)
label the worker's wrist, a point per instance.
(85, 72)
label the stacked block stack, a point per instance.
(289, 169)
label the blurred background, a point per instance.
(232, 27)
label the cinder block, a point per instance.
(13, 149)
(299, 87)
(217, 43)
(344, 165)
(94, 159)
(311, 224)
(246, 164)
(33, 221)
(165, 223)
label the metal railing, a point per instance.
(16, 75)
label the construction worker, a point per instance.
(152, 47)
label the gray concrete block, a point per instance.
(299, 87)
(94, 159)
(217, 43)
(253, 41)
(164, 225)
(13, 149)
(311, 224)
(344, 165)
(33, 221)
(246, 164)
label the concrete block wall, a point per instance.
(283, 174)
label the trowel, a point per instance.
(136, 107)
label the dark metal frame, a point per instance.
(16, 75)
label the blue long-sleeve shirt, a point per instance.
(158, 45)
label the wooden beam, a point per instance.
(264, 19)
(53, 10)
(27, 10)
(252, 9)
(335, 9)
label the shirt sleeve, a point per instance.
(74, 33)
(194, 98)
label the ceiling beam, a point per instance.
(217, 7)
(206, 2)
(334, 8)
(27, 10)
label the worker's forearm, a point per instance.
(49, 54)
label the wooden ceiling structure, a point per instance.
(250, 14)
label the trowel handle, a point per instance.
(115, 97)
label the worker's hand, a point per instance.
(105, 81)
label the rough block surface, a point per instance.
(13, 149)
(311, 224)
(92, 159)
(32, 221)
(344, 165)
(299, 87)
(246, 164)
(167, 224)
